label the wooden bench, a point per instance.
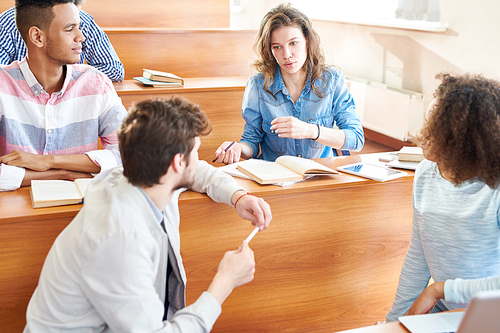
(167, 14)
(219, 97)
(171, 14)
(186, 53)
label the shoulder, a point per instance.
(332, 74)
(255, 78)
(8, 20)
(91, 77)
(86, 17)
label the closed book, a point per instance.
(410, 154)
(156, 84)
(161, 76)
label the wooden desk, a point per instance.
(219, 97)
(393, 327)
(329, 261)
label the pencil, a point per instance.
(254, 232)
(227, 148)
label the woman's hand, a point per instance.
(427, 299)
(232, 155)
(291, 127)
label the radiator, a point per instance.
(397, 113)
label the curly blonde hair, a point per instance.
(463, 129)
(285, 15)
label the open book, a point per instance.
(49, 193)
(284, 169)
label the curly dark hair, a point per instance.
(463, 129)
(285, 15)
(154, 132)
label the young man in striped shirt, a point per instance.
(52, 113)
(97, 50)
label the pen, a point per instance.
(232, 143)
(254, 232)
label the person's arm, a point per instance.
(349, 134)
(99, 52)
(291, 127)
(345, 115)
(110, 121)
(414, 278)
(8, 33)
(125, 297)
(236, 269)
(35, 162)
(221, 187)
(248, 146)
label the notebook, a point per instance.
(482, 315)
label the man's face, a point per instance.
(64, 38)
(192, 162)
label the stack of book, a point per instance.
(410, 154)
(156, 79)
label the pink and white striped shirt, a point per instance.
(66, 122)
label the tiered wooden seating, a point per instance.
(220, 98)
(186, 53)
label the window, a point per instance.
(405, 14)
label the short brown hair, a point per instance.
(463, 129)
(154, 132)
(281, 16)
(38, 13)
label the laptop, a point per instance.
(482, 315)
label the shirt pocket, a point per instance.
(323, 121)
(273, 140)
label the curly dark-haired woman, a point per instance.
(456, 200)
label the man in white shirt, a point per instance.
(117, 266)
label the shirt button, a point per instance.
(49, 131)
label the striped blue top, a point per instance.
(97, 50)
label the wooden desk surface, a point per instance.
(393, 327)
(128, 87)
(329, 261)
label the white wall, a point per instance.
(405, 58)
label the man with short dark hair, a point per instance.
(52, 113)
(97, 50)
(117, 266)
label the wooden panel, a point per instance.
(330, 263)
(185, 14)
(6, 4)
(160, 13)
(219, 98)
(187, 53)
(23, 248)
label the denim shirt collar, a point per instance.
(279, 84)
(33, 83)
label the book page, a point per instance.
(304, 166)
(54, 190)
(265, 172)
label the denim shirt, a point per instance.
(335, 108)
